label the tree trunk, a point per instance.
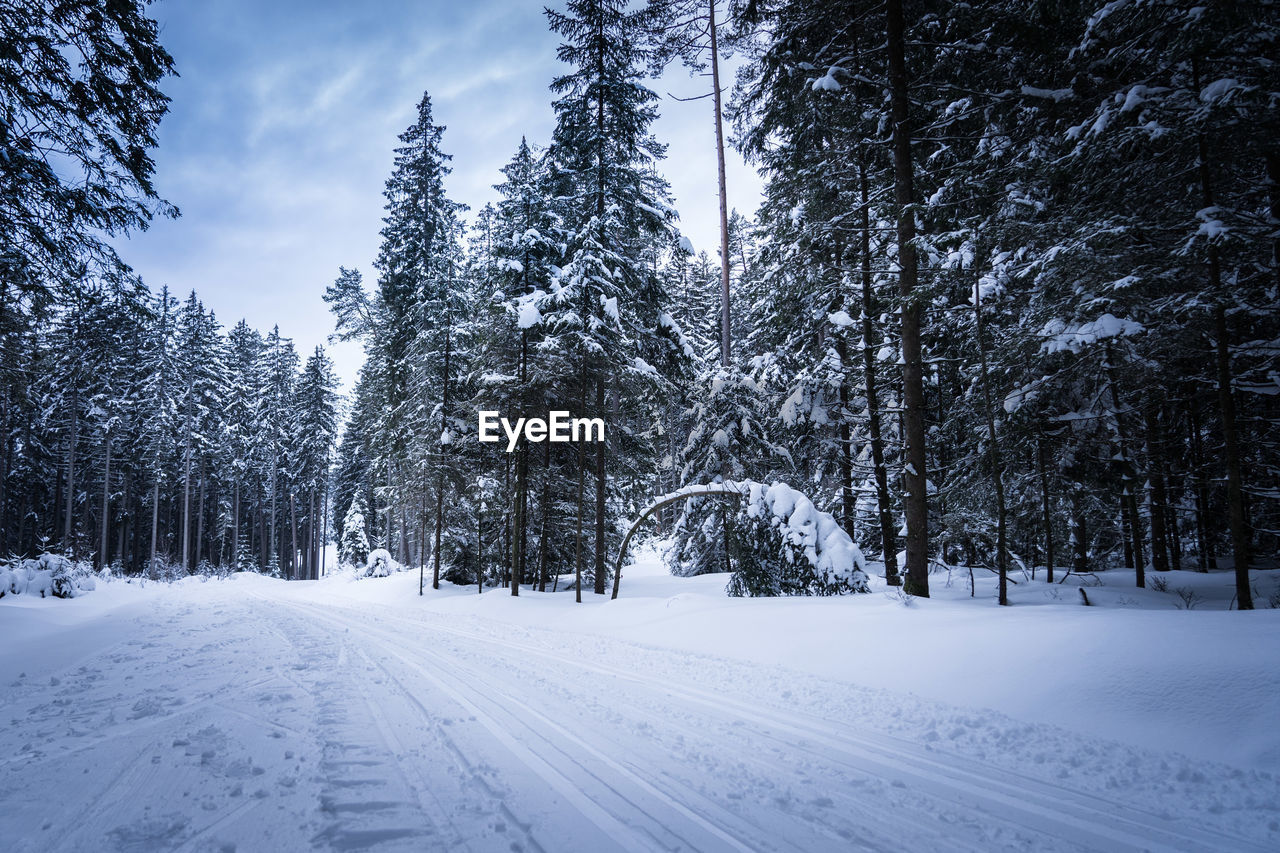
(1047, 518)
(1226, 399)
(724, 201)
(103, 556)
(915, 501)
(582, 476)
(67, 544)
(235, 527)
(1235, 481)
(155, 521)
(1079, 536)
(1128, 475)
(997, 464)
(200, 515)
(601, 496)
(293, 539)
(1159, 496)
(888, 533)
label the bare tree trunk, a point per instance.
(888, 544)
(724, 201)
(1226, 398)
(582, 476)
(155, 520)
(1159, 495)
(1235, 481)
(186, 502)
(200, 515)
(1047, 518)
(103, 557)
(440, 482)
(67, 544)
(601, 496)
(293, 529)
(997, 463)
(1079, 536)
(272, 559)
(1128, 496)
(915, 501)
(235, 527)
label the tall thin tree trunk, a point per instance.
(888, 533)
(582, 477)
(997, 463)
(915, 501)
(601, 497)
(1159, 495)
(235, 527)
(1047, 518)
(67, 544)
(200, 514)
(103, 556)
(1079, 536)
(155, 521)
(1239, 524)
(1235, 481)
(186, 502)
(293, 540)
(725, 340)
(1128, 474)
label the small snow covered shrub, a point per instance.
(32, 578)
(62, 578)
(380, 564)
(1159, 583)
(792, 547)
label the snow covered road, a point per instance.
(263, 719)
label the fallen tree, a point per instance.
(793, 548)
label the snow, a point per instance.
(1055, 95)
(610, 306)
(1073, 337)
(823, 541)
(840, 318)
(258, 714)
(1219, 89)
(828, 81)
(527, 313)
(686, 245)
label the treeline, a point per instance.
(134, 430)
(140, 433)
(1010, 300)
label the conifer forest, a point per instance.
(639, 425)
(1010, 300)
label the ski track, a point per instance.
(1044, 814)
(273, 723)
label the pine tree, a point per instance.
(354, 550)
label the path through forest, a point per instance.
(232, 718)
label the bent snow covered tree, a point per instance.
(787, 546)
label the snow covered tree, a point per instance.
(354, 549)
(607, 302)
(80, 88)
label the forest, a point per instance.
(1010, 304)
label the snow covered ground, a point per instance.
(252, 714)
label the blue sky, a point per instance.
(283, 124)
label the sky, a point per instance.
(282, 130)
